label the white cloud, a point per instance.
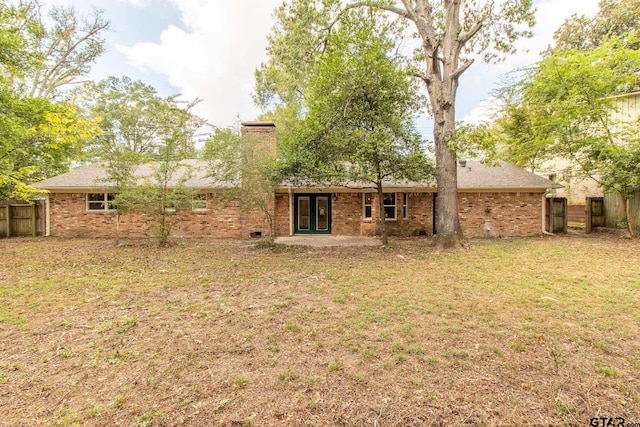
(213, 57)
(136, 3)
(485, 112)
(550, 15)
(219, 44)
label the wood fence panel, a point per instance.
(634, 210)
(576, 213)
(595, 213)
(556, 214)
(3, 220)
(20, 219)
(614, 210)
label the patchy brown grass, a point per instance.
(539, 331)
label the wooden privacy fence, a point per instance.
(615, 210)
(18, 219)
(556, 210)
(595, 213)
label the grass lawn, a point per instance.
(538, 331)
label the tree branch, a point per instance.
(421, 76)
(388, 8)
(458, 72)
(464, 38)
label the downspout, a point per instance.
(544, 215)
(291, 217)
(47, 216)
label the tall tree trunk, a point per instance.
(449, 231)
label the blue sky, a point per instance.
(209, 49)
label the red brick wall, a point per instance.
(500, 214)
(281, 216)
(481, 215)
(222, 219)
(346, 215)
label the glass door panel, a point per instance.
(322, 213)
(304, 212)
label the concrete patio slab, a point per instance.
(320, 240)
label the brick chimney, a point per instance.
(258, 141)
(259, 138)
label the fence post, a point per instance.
(587, 206)
(8, 216)
(34, 219)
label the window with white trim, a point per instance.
(199, 202)
(405, 205)
(389, 200)
(97, 202)
(367, 207)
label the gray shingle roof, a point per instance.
(473, 176)
(93, 177)
(476, 175)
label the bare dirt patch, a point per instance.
(536, 331)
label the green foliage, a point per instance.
(516, 139)
(297, 41)
(15, 59)
(246, 169)
(565, 107)
(133, 117)
(38, 140)
(619, 166)
(224, 143)
(449, 33)
(614, 19)
(65, 45)
(161, 196)
(39, 136)
(361, 103)
(475, 141)
(139, 127)
(359, 124)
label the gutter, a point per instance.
(47, 215)
(291, 215)
(544, 215)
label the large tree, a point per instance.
(614, 18)
(62, 45)
(361, 105)
(568, 104)
(134, 117)
(38, 139)
(137, 126)
(38, 136)
(295, 46)
(449, 33)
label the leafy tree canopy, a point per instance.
(54, 51)
(614, 19)
(361, 105)
(450, 33)
(133, 117)
(38, 139)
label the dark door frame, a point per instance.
(313, 207)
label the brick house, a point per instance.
(500, 201)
